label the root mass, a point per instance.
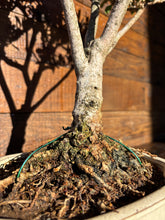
(73, 178)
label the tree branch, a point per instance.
(129, 24)
(93, 23)
(113, 24)
(74, 34)
(127, 27)
(139, 4)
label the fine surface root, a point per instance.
(74, 178)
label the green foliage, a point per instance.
(107, 4)
(108, 9)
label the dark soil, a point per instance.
(78, 176)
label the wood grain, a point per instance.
(56, 87)
(131, 127)
(133, 85)
(122, 94)
(119, 93)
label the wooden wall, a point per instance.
(38, 84)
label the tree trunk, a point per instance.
(88, 100)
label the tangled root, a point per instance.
(73, 177)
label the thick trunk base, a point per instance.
(76, 176)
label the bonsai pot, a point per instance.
(150, 207)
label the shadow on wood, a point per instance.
(44, 44)
(156, 28)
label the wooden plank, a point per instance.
(124, 65)
(127, 77)
(53, 92)
(130, 58)
(133, 95)
(84, 2)
(141, 24)
(39, 43)
(40, 128)
(134, 44)
(122, 94)
(133, 128)
(18, 47)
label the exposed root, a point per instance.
(36, 196)
(75, 176)
(65, 207)
(15, 202)
(90, 170)
(6, 182)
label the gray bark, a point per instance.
(110, 32)
(89, 93)
(89, 67)
(78, 53)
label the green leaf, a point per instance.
(108, 9)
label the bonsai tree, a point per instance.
(89, 58)
(82, 172)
